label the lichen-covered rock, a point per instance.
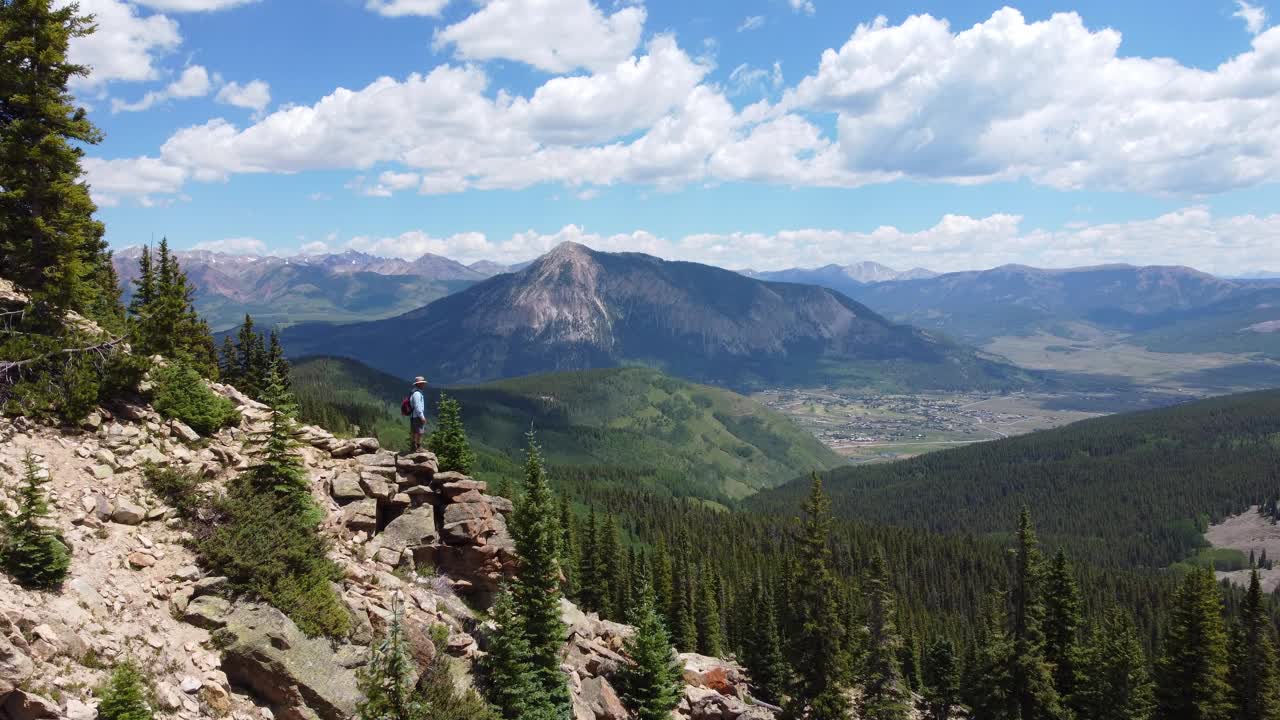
(296, 675)
(414, 528)
(345, 488)
(361, 516)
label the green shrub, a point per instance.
(181, 393)
(267, 546)
(124, 696)
(177, 487)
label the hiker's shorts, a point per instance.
(416, 424)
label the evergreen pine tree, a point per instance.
(819, 644)
(228, 367)
(510, 683)
(144, 293)
(909, 658)
(50, 243)
(593, 590)
(1112, 681)
(765, 661)
(686, 628)
(1033, 696)
(988, 687)
(449, 439)
(387, 679)
(707, 615)
(613, 571)
(31, 552)
(123, 696)
(568, 547)
(279, 468)
(280, 365)
(1061, 622)
(537, 589)
(941, 678)
(663, 594)
(884, 695)
(652, 684)
(250, 358)
(1253, 677)
(1191, 677)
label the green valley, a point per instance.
(684, 438)
(1131, 490)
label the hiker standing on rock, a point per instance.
(415, 406)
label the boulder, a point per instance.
(367, 444)
(382, 458)
(361, 515)
(149, 454)
(183, 432)
(102, 472)
(459, 512)
(345, 488)
(419, 463)
(598, 697)
(297, 676)
(589, 656)
(79, 710)
(22, 705)
(420, 495)
(723, 676)
(207, 611)
(453, 484)
(128, 513)
(15, 667)
(140, 560)
(376, 487)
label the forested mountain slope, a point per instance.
(690, 439)
(1132, 489)
(576, 309)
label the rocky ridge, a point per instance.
(432, 543)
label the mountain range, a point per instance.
(576, 308)
(977, 306)
(339, 287)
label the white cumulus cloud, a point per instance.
(553, 35)
(255, 95)
(193, 82)
(751, 22)
(803, 6)
(1254, 16)
(954, 242)
(193, 5)
(1052, 101)
(125, 46)
(401, 8)
(234, 246)
(140, 177)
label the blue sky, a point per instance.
(753, 133)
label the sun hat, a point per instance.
(419, 380)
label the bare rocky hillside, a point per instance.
(405, 534)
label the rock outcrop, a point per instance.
(407, 536)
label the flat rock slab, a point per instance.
(297, 676)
